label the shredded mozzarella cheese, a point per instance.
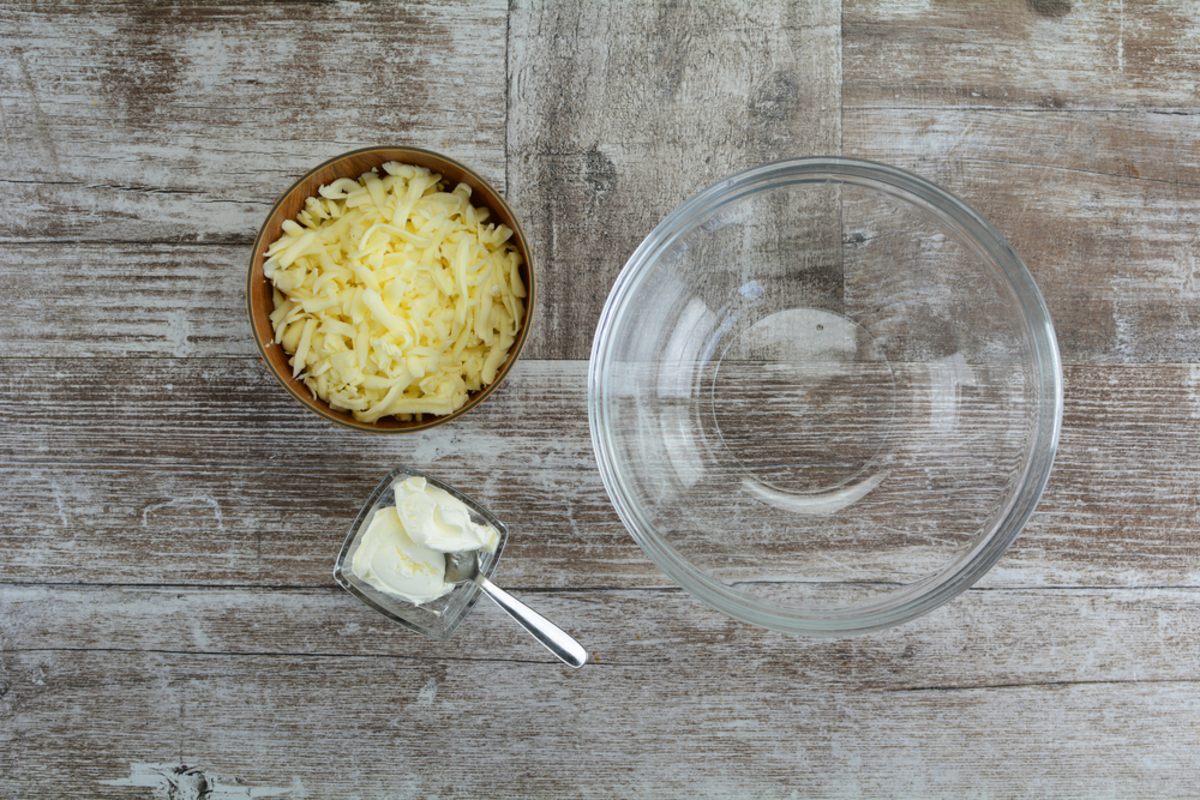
(394, 297)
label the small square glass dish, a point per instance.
(437, 619)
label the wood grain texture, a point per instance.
(184, 121)
(1072, 128)
(616, 118)
(196, 471)
(1021, 54)
(216, 454)
(1112, 249)
(212, 683)
(170, 517)
(126, 300)
(1117, 634)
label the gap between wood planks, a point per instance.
(1077, 171)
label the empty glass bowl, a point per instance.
(825, 396)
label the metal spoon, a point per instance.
(463, 567)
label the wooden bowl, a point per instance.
(260, 302)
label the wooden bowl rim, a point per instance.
(320, 407)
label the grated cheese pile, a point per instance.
(393, 296)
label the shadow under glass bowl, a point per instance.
(825, 396)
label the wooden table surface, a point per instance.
(169, 626)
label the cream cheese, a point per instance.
(388, 559)
(440, 521)
(402, 552)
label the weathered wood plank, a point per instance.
(986, 638)
(1021, 54)
(171, 518)
(184, 121)
(90, 299)
(200, 471)
(81, 300)
(312, 726)
(1126, 476)
(617, 116)
(211, 456)
(1112, 249)
(992, 657)
(1140, 145)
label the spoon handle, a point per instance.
(552, 637)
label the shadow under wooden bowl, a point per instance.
(260, 302)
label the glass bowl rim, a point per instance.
(961, 572)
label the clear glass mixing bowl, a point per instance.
(825, 396)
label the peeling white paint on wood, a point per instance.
(182, 123)
(181, 782)
(232, 500)
(168, 623)
(1021, 54)
(777, 735)
(990, 637)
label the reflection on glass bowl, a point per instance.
(825, 396)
